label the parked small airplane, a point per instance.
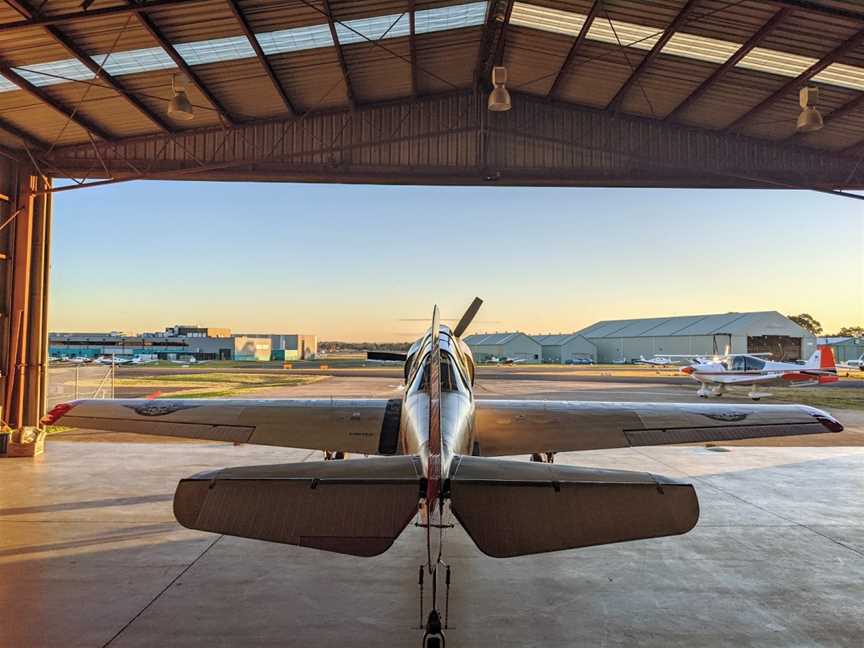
(438, 448)
(852, 364)
(189, 361)
(657, 361)
(506, 361)
(743, 369)
(140, 360)
(113, 360)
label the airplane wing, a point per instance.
(366, 426)
(512, 427)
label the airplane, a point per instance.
(139, 360)
(112, 360)
(852, 364)
(438, 463)
(79, 360)
(744, 369)
(189, 361)
(657, 361)
(506, 360)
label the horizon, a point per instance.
(351, 262)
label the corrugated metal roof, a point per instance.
(557, 339)
(727, 323)
(490, 339)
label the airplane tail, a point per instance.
(515, 508)
(822, 358)
(350, 507)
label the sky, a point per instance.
(360, 263)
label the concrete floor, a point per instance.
(90, 555)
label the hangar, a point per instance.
(564, 347)
(673, 93)
(757, 332)
(518, 346)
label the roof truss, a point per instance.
(349, 90)
(730, 63)
(633, 79)
(536, 143)
(574, 49)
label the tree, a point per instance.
(807, 322)
(851, 331)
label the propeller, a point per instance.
(392, 356)
(468, 317)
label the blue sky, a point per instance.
(349, 262)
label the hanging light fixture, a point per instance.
(180, 107)
(810, 119)
(499, 98)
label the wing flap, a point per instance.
(357, 507)
(514, 508)
(508, 427)
(351, 425)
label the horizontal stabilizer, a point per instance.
(387, 356)
(356, 507)
(514, 508)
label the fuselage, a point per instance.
(438, 424)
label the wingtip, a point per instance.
(57, 412)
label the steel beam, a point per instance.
(69, 113)
(184, 67)
(492, 42)
(24, 8)
(730, 63)
(412, 44)
(574, 49)
(262, 57)
(438, 142)
(801, 80)
(352, 100)
(633, 79)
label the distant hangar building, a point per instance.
(516, 345)
(757, 332)
(566, 347)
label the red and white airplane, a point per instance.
(439, 464)
(750, 370)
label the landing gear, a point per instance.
(331, 455)
(434, 635)
(756, 395)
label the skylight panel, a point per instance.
(846, 76)
(774, 62)
(630, 34)
(215, 50)
(546, 19)
(377, 28)
(296, 39)
(700, 48)
(46, 74)
(135, 61)
(6, 85)
(452, 17)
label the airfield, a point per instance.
(91, 550)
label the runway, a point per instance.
(91, 551)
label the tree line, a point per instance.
(811, 324)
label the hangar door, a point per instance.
(781, 347)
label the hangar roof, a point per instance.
(558, 339)
(493, 339)
(106, 71)
(722, 323)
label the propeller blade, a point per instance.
(468, 317)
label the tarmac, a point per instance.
(90, 554)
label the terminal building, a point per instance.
(184, 342)
(754, 332)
